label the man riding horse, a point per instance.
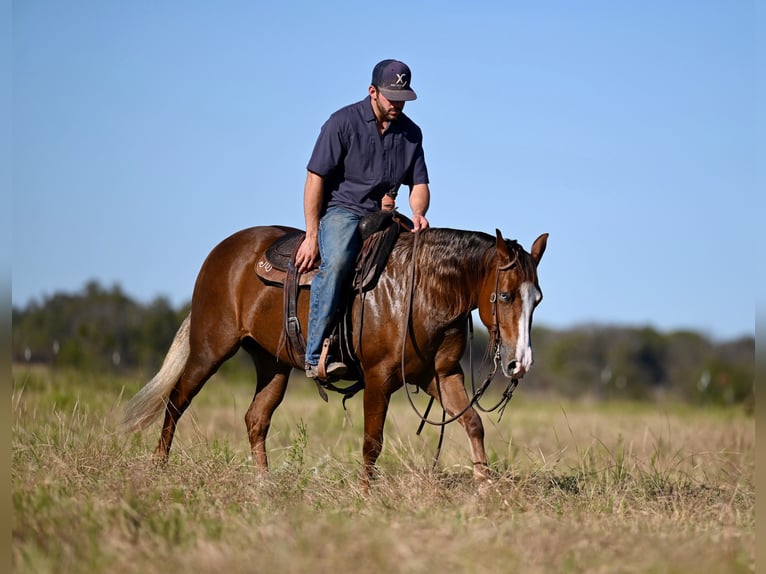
(400, 336)
(364, 153)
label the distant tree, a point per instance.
(103, 329)
(96, 329)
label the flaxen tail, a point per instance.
(150, 401)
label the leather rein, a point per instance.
(493, 349)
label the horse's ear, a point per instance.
(501, 246)
(503, 251)
(538, 248)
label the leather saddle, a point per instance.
(379, 232)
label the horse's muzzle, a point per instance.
(517, 368)
(514, 370)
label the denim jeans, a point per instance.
(339, 244)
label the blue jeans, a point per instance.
(339, 244)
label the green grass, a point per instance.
(577, 487)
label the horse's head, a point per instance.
(509, 296)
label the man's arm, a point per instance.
(420, 199)
(308, 252)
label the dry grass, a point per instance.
(577, 488)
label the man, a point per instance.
(364, 153)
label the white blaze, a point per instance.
(530, 296)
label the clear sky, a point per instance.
(145, 132)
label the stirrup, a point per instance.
(332, 370)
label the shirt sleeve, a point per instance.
(417, 172)
(329, 149)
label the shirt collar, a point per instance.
(369, 115)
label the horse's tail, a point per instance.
(151, 400)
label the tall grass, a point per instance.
(576, 487)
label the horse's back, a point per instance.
(231, 263)
(242, 247)
(253, 238)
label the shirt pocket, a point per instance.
(362, 163)
(396, 161)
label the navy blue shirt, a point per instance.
(360, 166)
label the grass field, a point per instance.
(577, 487)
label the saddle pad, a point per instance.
(270, 274)
(280, 253)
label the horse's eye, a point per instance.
(506, 297)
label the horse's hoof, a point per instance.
(485, 487)
(160, 459)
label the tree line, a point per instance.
(102, 329)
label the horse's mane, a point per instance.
(449, 263)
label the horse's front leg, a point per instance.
(449, 390)
(376, 400)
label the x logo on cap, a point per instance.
(400, 81)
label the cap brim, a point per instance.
(398, 95)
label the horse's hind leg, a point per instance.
(376, 400)
(269, 392)
(449, 390)
(200, 366)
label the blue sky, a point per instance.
(146, 132)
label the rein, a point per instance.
(493, 350)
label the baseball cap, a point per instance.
(393, 78)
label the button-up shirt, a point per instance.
(359, 165)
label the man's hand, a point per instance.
(419, 222)
(307, 254)
(387, 203)
(420, 197)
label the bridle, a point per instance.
(493, 350)
(493, 346)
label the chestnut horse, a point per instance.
(455, 272)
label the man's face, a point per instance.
(385, 109)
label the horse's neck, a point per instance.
(451, 272)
